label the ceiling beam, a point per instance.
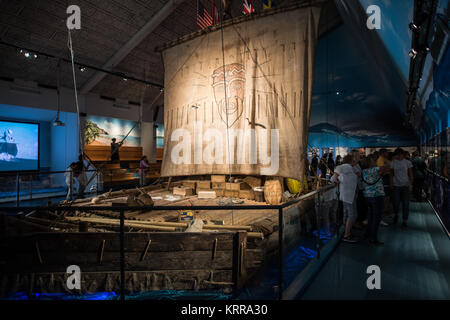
(148, 28)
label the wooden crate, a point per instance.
(217, 178)
(234, 193)
(189, 184)
(206, 194)
(247, 194)
(183, 191)
(253, 181)
(218, 185)
(232, 186)
(204, 185)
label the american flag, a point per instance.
(204, 19)
(247, 7)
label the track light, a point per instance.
(161, 90)
(58, 123)
(423, 49)
(82, 69)
(412, 53)
(28, 54)
(414, 27)
(194, 107)
(124, 79)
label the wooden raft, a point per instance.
(154, 261)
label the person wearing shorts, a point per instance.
(345, 176)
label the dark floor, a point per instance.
(414, 263)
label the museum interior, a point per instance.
(144, 152)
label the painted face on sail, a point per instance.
(230, 109)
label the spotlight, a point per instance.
(124, 79)
(82, 69)
(338, 93)
(414, 27)
(412, 53)
(58, 123)
(194, 107)
(161, 90)
(27, 54)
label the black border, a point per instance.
(39, 146)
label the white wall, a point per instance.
(148, 141)
(91, 104)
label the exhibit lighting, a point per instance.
(58, 123)
(414, 27)
(28, 54)
(412, 53)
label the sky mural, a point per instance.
(350, 105)
(395, 18)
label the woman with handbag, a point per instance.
(373, 191)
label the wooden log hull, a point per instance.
(213, 259)
(153, 261)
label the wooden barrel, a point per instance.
(273, 191)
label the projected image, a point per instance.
(100, 130)
(19, 146)
(160, 135)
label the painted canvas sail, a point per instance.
(241, 106)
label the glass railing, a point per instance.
(247, 252)
(437, 188)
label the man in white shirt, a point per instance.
(345, 176)
(70, 180)
(401, 181)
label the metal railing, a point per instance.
(438, 194)
(59, 182)
(317, 194)
(96, 178)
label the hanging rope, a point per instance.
(70, 46)
(226, 109)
